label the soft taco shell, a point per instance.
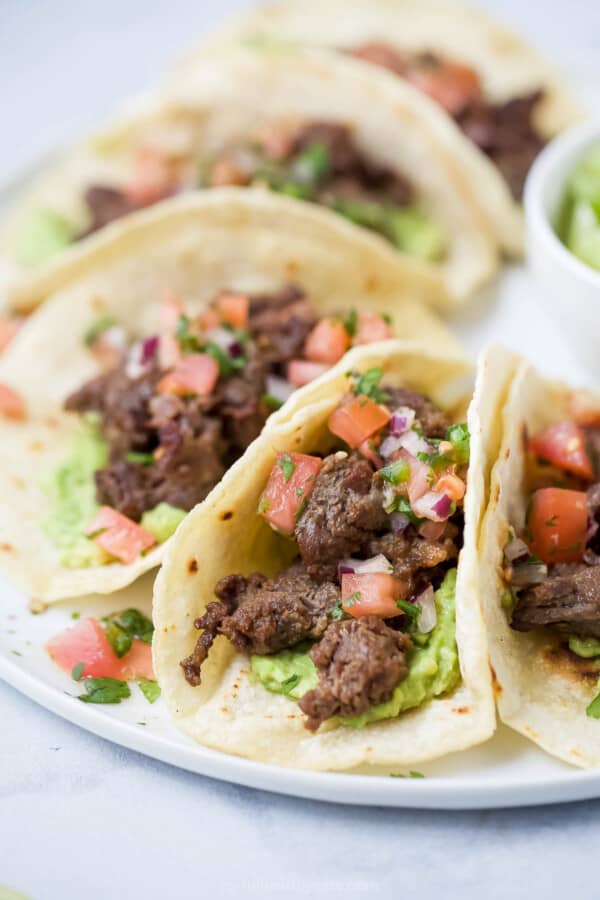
(225, 535)
(541, 690)
(227, 96)
(195, 246)
(507, 64)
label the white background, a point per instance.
(80, 818)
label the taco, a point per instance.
(540, 536)
(501, 100)
(309, 125)
(321, 608)
(157, 358)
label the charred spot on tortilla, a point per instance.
(461, 710)
(225, 516)
(570, 666)
(192, 565)
(6, 547)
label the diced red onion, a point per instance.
(529, 573)
(235, 349)
(419, 482)
(432, 531)
(412, 442)
(432, 505)
(375, 565)
(219, 336)
(400, 522)
(141, 356)
(150, 348)
(390, 445)
(402, 419)
(428, 616)
(515, 549)
(279, 388)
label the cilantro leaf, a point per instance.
(149, 688)
(187, 341)
(411, 609)
(77, 671)
(227, 364)
(137, 625)
(367, 385)
(312, 164)
(104, 690)
(337, 613)
(270, 401)
(290, 683)
(97, 328)
(286, 465)
(351, 322)
(459, 437)
(118, 638)
(353, 599)
(145, 459)
(593, 710)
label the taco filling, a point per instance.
(504, 131)
(171, 411)
(552, 568)
(361, 625)
(317, 161)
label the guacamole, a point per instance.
(72, 491)
(433, 666)
(578, 224)
(42, 235)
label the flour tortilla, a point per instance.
(227, 96)
(508, 66)
(195, 246)
(540, 693)
(225, 535)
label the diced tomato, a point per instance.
(584, 407)
(153, 179)
(194, 374)
(12, 405)
(290, 484)
(370, 328)
(451, 485)
(137, 662)
(233, 309)
(358, 419)
(86, 643)
(327, 342)
(171, 308)
(368, 449)
(563, 444)
(301, 372)
(226, 172)
(372, 594)
(450, 84)
(118, 535)
(558, 521)
(419, 482)
(9, 326)
(276, 140)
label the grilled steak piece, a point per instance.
(105, 205)
(592, 436)
(264, 615)
(568, 601)
(342, 512)
(280, 323)
(434, 421)
(414, 558)
(360, 662)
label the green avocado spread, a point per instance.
(72, 492)
(42, 235)
(432, 666)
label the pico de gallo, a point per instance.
(171, 411)
(553, 568)
(361, 625)
(103, 655)
(506, 132)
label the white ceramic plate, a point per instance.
(506, 771)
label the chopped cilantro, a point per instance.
(227, 364)
(263, 506)
(149, 688)
(75, 615)
(123, 627)
(118, 638)
(458, 435)
(270, 401)
(412, 774)
(77, 671)
(350, 323)
(286, 465)
(403, 506)
(337, 613)
(104, 690)
(312, 164)
(299, 491)
(387, 318)
(436, 461)
(187, 341)
(97, 328)
(397, 472)
(353, 599)
(290, 683)
(367, 385)
(411, 609)
(145, 459)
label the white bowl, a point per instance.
(566, 287)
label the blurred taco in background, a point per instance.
(159, 354)
(321, 609)
(501, 100)
(313, 126)
(540, 536)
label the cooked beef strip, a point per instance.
(506, 133)
(360, 662)
(568, 602)
(592, 436)
(343, 510)
(434, 421)
(105, 205)
(280, 323)
(263, 615)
